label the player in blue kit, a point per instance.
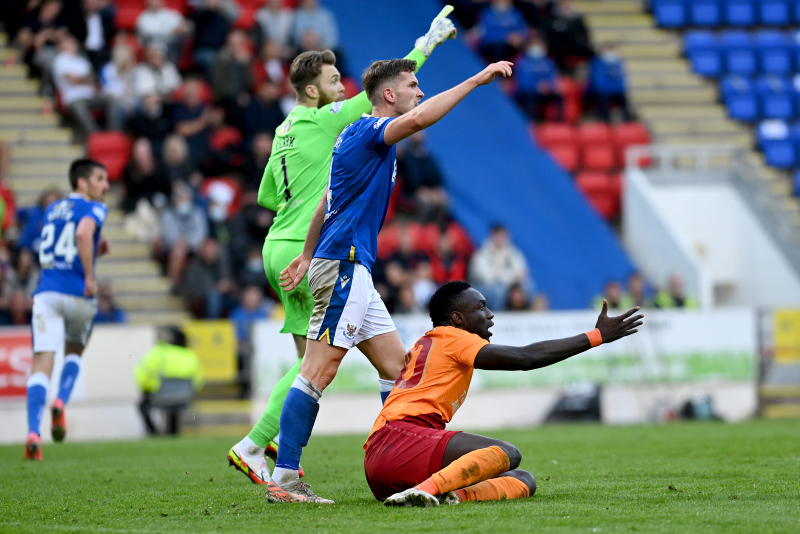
(63, 303)
(340, 250)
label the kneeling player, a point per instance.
(411, 460)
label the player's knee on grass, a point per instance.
(514, 454)
(524, 477)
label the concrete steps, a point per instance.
(41, 153)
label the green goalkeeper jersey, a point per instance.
(297, 173)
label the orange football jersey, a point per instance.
(436, 376)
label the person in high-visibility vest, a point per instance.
(168, 359)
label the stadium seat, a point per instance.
(112, 149)
(743, 107)
(629, 134)
(572, 93)
(774, 52)
(228, 186)
(797, 182)
(742, 62)
(699, 40)
(598, 158)
(780, 154)
(774, 12)
(775, 96)
(565, 155)
(772, 130)
(739, 12)
(125, 19)
(670, 13)
(706, 62)
(247, 18)
(705, 13)
(598, 190)
(462, 244)
(593, 133)
(553, 133)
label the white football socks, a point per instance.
(250, 448)
(285, 478)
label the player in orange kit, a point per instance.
(411, 460)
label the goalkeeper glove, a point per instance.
(441, 30)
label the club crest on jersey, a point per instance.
(379, 122)
(336, 107)
(350, 331)
(285, 127)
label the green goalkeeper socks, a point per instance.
(268, 426)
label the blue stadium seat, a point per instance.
(780, 154)
(733, 85)
(739, 12)
(774, 51)
(670, 13)
(735, 39)
(739, 95)
(773, 130)
(774, 12)
(797, 183)
(705, 12)
(702, 51)
(741, 62)
(776, 98)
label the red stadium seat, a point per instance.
(246, 20)
(566, 156)
(228, 184)
(629, 134)
(598, 158)
(429, 239)
(554, 133)
(388, 239)
(125, 19)
(572, 92)
(593, 133)
(599, 190)
(182, 6)
(462, 243)
(112, 149)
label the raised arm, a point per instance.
(544, 353)
(292, 275)
(431, 111)
(335, 116)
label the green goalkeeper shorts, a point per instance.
(298, 304)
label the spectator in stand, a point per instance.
(252, 271)
(537, 82)
(95, 29)
(502, 31)
(31, 230)
(212, 25)
(612, 293)
(270, 65)
(567, 36)
(637, 295)
(517, 298)
(75, 82)
(107, 310)
(496, 266)
(407, 255)
(406, 302)
(225, 145)
(156, 75)
(160, 24)
(537, 13)
(423, 284)
(220, 196)
(193, 119)
(422, 181)
(177, 165)
(144, 179)
(118, 78)
(152, 121)
(185, 228)
(23, 276)
(262, 113)
(207, 284)
(311, 17)
(232, 70)
(38, 39)
(253, 307)
(675, 296)
(276, 23)
(257, 158)
(467, 12)
(447, 265)
(607, 83)
(19, 308)
(248, 227)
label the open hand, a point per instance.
(488, 74)
(613, 328)
(292, 275)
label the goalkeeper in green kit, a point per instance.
(294, 180)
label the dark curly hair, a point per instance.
(445, 300)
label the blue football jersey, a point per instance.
(363, 171)
(62, 270)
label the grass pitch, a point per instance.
(692, 477)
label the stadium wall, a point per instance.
(493, 172)
(706, 232)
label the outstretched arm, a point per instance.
(431, 111)
(335, 116)
(544, 353)
(292, 275)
